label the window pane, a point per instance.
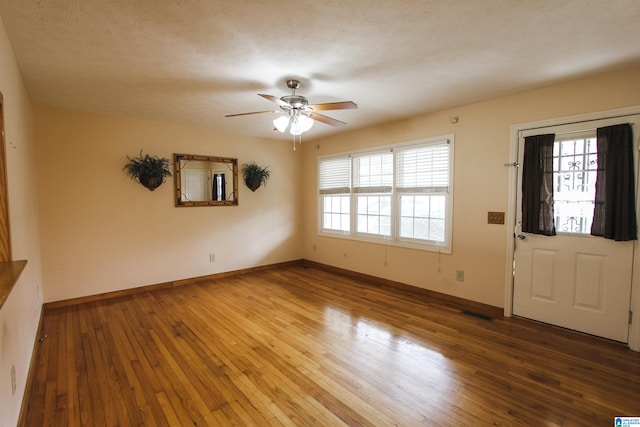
(436, 230)
(334, 211)
(373, 205)
(345, 222)
(428, 212)
(574, 178)
(422, 206)
(438, 206)
(336, 204)
(335, 220)
(345, 205)
(385, 225)
(326, 204)
(362, 223)
(385, 206)
(406, 206)
(406, 227)
(362, 206)
(372, 225)
(421, 229)
(374, 214)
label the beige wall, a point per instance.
(102, 232)
(480, 182)
(20, 314)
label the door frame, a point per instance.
(634, 328)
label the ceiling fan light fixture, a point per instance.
(281, 123)
(305, 122)
(296, 127)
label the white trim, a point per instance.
(515, 132)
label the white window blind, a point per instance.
(335, 175)
(373, 172)
(423, 169)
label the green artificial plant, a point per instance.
(148, 170)
(254, 176)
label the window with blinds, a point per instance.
(422, 184)
(372, 184)
(335, 189)
(400, 194)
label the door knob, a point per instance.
(521, 236)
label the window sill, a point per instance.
(427, 247)
(9, 274)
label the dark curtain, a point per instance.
(614, 215)
(223, 187)
(214, 188)
(537, 185)
(219, 191)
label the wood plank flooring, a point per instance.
(300, 346)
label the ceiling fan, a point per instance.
(297, 114)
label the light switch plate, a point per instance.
(495, 218)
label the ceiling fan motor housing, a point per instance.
(296, 101)
(293, 84)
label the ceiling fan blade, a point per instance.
(344, 105)
(247, 114)
(327, 120)
(277, 100)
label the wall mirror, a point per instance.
(205, 180)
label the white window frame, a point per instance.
(394, 239)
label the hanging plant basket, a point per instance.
(151, 181)
(149, 171)
(254, 176)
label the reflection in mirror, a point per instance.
(205, 180)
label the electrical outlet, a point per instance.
(212, 257)
(495, 218)
(460, 275)
(13, 379)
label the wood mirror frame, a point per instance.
(194, 178)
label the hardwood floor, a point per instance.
(301, 347)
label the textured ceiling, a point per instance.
(193, 61)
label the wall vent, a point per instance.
(478, 315)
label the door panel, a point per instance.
(580, 283)
(542, 283)
(589, 283)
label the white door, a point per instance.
(573, 279)
(197, 185)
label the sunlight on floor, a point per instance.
(389, 353)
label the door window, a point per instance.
(575, 163)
